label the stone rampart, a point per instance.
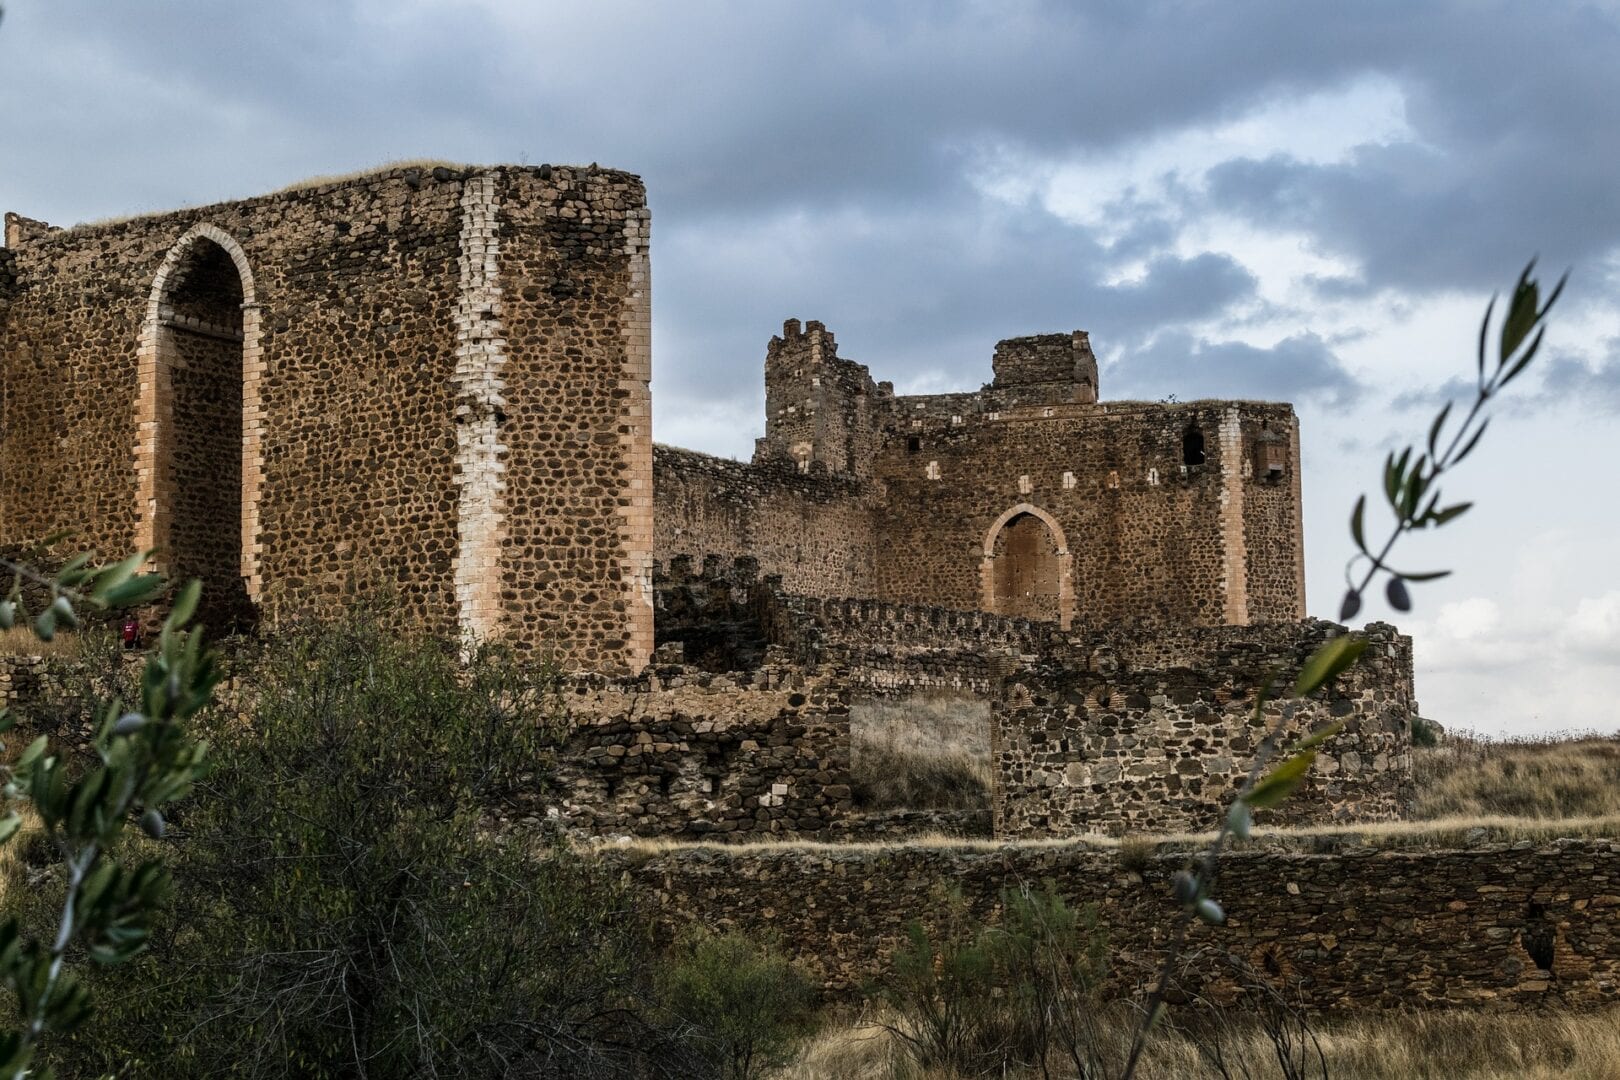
(688, 753)
(1495, 927)
(812, 528)
(1098, 744)
(727, 617)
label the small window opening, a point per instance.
(1192, 446)
(666, 783)
(913, 444)
(1539, 937)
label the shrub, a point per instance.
(979, 999)
(744, 1001)
(344, 910)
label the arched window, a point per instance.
(198, 447)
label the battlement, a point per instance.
(21, 230)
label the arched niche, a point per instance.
(1025, 568)
(198, 425)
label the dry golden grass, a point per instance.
(923, 753)
(1137, 848)
(1453, 1045)
(1541, 779)
(12, 852)
(20, 641)
(425, 164)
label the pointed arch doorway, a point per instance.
(197, 452)
(1025, 569)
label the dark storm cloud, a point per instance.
(1299, 368)
(1515, 150)
(915, 293)
(826, 160)
(1570, 381)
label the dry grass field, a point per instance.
(1412, 1046)
(925, 753)
(20, 641)
(1552, 778)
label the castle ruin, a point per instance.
(434, 382)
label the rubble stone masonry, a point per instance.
(1093, 740)
(1029, 498)
(1494, 926)
(432, 381)
(682, 752)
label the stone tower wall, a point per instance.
(820, 409)
(444, 397)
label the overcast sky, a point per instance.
(1294, 201)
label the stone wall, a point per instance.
(1139, 537)
(686, 753)
(1026, 498)
(1495, 927)
(1113, 730)
(441, 378)
(814, 529)
(1100, 745)
(726, 617)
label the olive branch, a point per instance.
(145, 761)
(1412, 492)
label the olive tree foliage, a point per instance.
(1412, 492)
(144, 760)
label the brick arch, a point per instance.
(154, 408)
(1065, 562)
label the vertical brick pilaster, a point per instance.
(635, 444)
(252, 448)
(153, 409)
(1234, 545)
(480, 404)
(1294, 466)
